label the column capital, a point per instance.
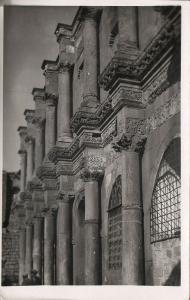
(29, 139)
(22, 130)
(51, 99)
(134, 137)
(88, 175)
(64, 66)
(63, 197)
(24, 196)
(38, 121)
(29, 114)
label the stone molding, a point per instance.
(49, 184)
(58, 153)
(121, 67)
(29, 139)
(64, 66)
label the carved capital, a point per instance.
(88, 175)
(134, 137)
(22, 131)
(29, 114)
(38, 121)
(64, 66)
(51, 99)
(63, 197)
(38, 94)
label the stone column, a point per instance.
(92, 237)
(23, 170)
(22, 249)
(65, 102)
(64, 241)
(49, 237)
(30, 154)
(90, 37)
(132, 222)
(130, 145)
(37, 244)
(50, 130)
(39, 122)
(28, 256)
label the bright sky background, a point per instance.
(28, 40)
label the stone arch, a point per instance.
(78, 238)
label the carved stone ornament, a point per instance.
(34, 185)
(133, 138)
(136, 69)
(90, 138)
(64, 66)
(90, 13)
(65, 197)
(29, 114)
(22, 131)
(64, 169)
(46, 171)
(58, 153)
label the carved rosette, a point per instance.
(134, 137)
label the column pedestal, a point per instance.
(132, 223)
(64, 243)
(49, 235)
(37, 245)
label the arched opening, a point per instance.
(165, 217)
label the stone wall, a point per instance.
(166, 262)
(10, 255)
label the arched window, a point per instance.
(165, 206)
(115, 226)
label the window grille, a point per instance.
(165, 206)
(115, 226)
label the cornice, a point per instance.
(121, 67)
(58, 153)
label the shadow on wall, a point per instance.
(175, 276)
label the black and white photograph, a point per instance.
(91, 170)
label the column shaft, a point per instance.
(22, 249)
(64, 244)
(49, 232)
(37, 245)
(90, 58)
(23, 172)
(91, 233)
(132, 244)
(50, 131)
(29, 160)
(28, 257)
(39, 147)
(64, 105)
